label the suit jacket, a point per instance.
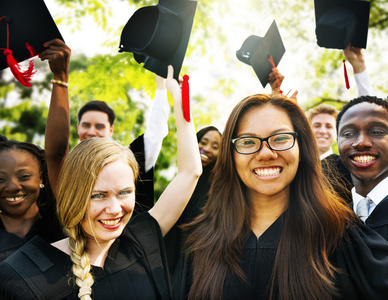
(378, 219)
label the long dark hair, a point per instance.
(314, 222)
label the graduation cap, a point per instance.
(158, 35)
(24, 26)
(263, 53)
(340, 22)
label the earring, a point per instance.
(41, 185)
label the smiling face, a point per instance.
(323, 126)
(19, 183)
(111, 204)
(363, 144)
(94, 124)
(209, 147)
(266, 173)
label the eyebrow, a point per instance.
(104, 192)
(373, 123)
(99, 192)
(280, 130)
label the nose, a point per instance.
(322, 129)
(362, 141)
(113, 206)
(265, 152)
(92, 132)
(206, 148)
(12, 185)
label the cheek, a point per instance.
(129, 204)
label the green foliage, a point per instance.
(25, 122)
(129, 88)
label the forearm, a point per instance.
(176, 196)
(57, 131)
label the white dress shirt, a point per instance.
(364, 87)
(157, 128)
(326, 154)
(376, 195)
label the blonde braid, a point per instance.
(81, 263)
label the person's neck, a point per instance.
(98, 252)
(21, 225)
(364, 187)
(266, 210)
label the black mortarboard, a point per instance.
(29, 22)
(159, 35)
(340, 22)
(256, 52)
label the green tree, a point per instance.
(117, 79)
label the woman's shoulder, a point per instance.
(144, 230)
(36, 271)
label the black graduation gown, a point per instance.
(178, 263)
(339, 177)
(378, 219)
(145, 182)
(362, 259)
(135, 268)
(47, 227)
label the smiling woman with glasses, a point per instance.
(272, 227)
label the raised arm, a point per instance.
(356, 58)
(177, 194)
(58, 119)
(157, 126)
(275, 79)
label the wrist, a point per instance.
(359, 69)
(60, 82)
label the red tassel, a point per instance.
(270, 59)
(23, 76)
(346, 76)
(186, 98)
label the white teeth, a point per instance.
(14, 199)
(110, 222)
(267, 171)
(204, 156)
(364, 158)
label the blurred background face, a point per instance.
(323, 126)
(111, 204)
(19, 182)
(94, 124)
(209, 147)
(363, 142)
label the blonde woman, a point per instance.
(107, 255)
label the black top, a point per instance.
(135, 268)
(362, 259)
(47, 227)
(174, 240)
(338, 176)
(145, 182)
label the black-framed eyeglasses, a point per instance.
(276, 142)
